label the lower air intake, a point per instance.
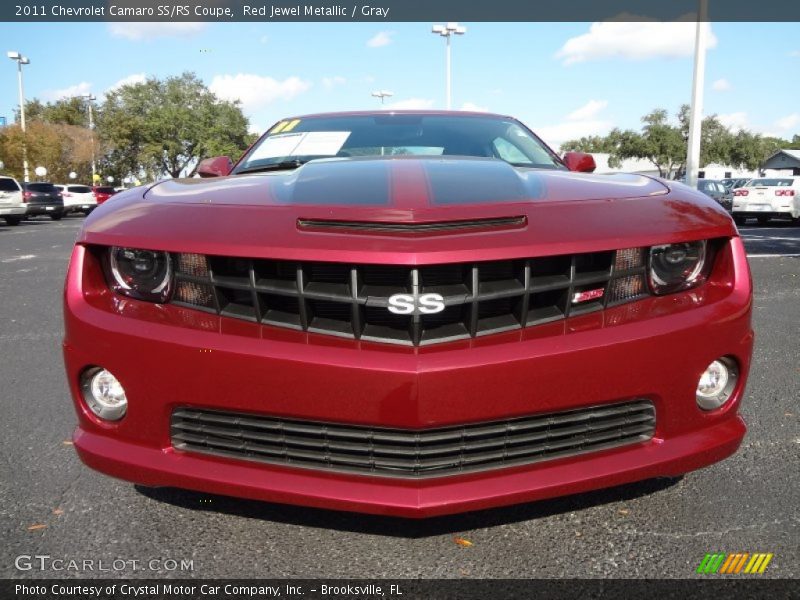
(412, 453)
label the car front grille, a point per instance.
(412, 453)
(352, 301)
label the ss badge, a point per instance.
(424, 304)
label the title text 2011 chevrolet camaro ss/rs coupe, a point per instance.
(406, 313)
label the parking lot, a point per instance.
(50, 504)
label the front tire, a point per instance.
(57, 217)
(13, 220)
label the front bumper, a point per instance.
(167, 357)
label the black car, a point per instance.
(43, 199)
(718, 191)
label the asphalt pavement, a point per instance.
(51, 505)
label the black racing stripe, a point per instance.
(340, 182)
(476, 181)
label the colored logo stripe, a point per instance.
(723, 563)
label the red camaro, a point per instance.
(406, 313)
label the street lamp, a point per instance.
(21, 60)
(382, 94)
(89, 99)
(696, 113)
(447, 31)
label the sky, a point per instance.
(564, 80)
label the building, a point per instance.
(785, 162)
(645, 167)
(629, 165)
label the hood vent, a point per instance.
(431, 227)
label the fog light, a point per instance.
(717, 383)
(104, 394)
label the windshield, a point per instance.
(300, 140)
(771, 182)
(79, 189)
(41, 187)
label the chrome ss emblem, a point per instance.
(423, 304)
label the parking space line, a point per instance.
(16, 258)
(792, 255)
(770, 239)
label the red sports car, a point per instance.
(103, 192)
(407, 313)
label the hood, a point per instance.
(260, 214)
(404, 183)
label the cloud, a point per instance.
(788, 122)
(129, 80)
(582, 122)
(472, 107)
(410, 104)
(735, 121)
(382, 38)
(721, 85)
(738, 121)
(634, 40)
(255, 91)
(150, 31)
(263, 39)
(587, 111)
(79, 89)
(555, 135)
(794, 53)
(331, 82)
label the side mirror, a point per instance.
(580, 162)
(219, 166)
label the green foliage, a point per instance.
(168, 126)
(59, 148)
(67, 111)
(665, 144)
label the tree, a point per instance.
(66, 111)
(665, 145)
(59, 148)
(168, 126)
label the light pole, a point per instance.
(447, 31)
(89, 99)
(382, 94)
(696, 114)
(21, 60)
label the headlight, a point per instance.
(142, 274)
(675, 267)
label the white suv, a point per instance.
(767, 198)
(77, 198)
(12, 208)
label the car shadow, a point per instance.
(397, 526)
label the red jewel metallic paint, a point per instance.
(168, 356)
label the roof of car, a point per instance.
(433, 113)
